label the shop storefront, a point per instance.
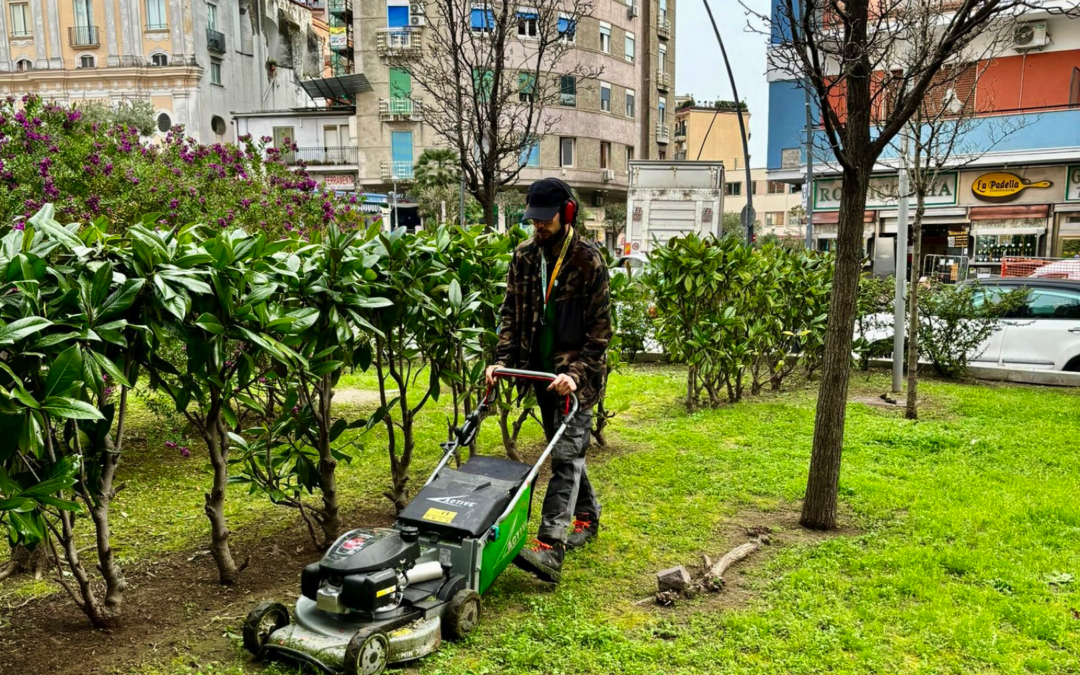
(1066, 238)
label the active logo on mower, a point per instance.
(453, 501)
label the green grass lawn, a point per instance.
(960, 548)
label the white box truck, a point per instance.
(671, 198)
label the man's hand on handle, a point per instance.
(489, 375)
(563, 385)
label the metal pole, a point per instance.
(742, 130)
(808, 187)
(394, 214)
(899, 314)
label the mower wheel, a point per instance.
(368, 652)
(463, 614)
(266, 618)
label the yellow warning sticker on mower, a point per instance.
(386, 591)
(439, 516)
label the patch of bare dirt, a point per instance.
(173, 602)
(783, 531)
(356, 397)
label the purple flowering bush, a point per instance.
(51, 154)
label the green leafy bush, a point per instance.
(956, 319)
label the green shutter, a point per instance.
(400, 83)
(526, 83)
(483, 81)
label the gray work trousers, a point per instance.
(569, 491)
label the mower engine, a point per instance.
(367, 571)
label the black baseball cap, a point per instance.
(545, 198)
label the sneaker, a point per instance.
(543, 559)
(585, 529)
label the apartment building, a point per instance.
(709, 133)
(1032, 88)
(196, 61)
(622, 116)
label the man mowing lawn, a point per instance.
(556, 318)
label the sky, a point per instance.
(699, 67)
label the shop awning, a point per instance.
(342, 88)
(1009, 212)
(1010, 230)
(833, 217)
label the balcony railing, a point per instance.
(84, 36)
(401, 109)
(323, 156)
(663, 80)
(399, 41)
(215, 41)
(661, 133)
(342, 8)
(401, 171)
(663, 29)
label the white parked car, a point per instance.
(1042, 335)
(634, 262)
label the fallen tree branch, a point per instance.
(735, 555)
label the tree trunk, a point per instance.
(819, 506)
(330, 520)
(24, 560)
(911, 411)
(86, 598)
(99, 513)
(217, 444)
(489, 212)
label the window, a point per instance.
(630, 103)
(566, 152)
(159, 60)
(661, 154)
(753, 187)
(400, 83)
(84, 13)
(215, 72)
(211, 17)
(86, 61)
(774, 219)
(630, 47)
(567, 28)
(662, 118)
(155, 15)
(483, 19)
(605, 155)
(733, 189)
(401, 154)
(663, 57)
(568, 90)
(397, 16)
(483, 81)
(605, 97)
(1044, 303)
(530, 156)
(23, 65)
(775, 187)
(663, 11)
(605, 37)
(164, 123)
(629, 156)
(1074, 88)
(526, 87)
(20, 27)
(527, 23)
(796, 188)
(217, 124)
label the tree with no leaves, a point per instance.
(844, 52)
(490, 77)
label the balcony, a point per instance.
(401, 110)
(215, 41)
(663, 29)
(407, 42)
(324, 156)
(341, 9)
(84, 36)
(662, 133)
(680, 135)
(401, 171)
(663, 81)
(311, 4)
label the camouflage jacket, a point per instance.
(582, 315)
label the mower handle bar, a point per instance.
(467, 431)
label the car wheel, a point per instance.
(1073, 366)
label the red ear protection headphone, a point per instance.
(568, 212)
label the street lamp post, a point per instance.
(394, 220)
(899, 312)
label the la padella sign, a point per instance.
(884, 192)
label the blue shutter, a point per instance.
(397, 16)
(534, 155)
(525, 16)
(401, 153)
(483, 19)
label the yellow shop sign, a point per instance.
(1002, 186)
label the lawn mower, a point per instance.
(389, 595)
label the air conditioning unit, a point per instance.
(416, 9)
(1030, 35)
(609, 174)
(417, 20)
(632, 10)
